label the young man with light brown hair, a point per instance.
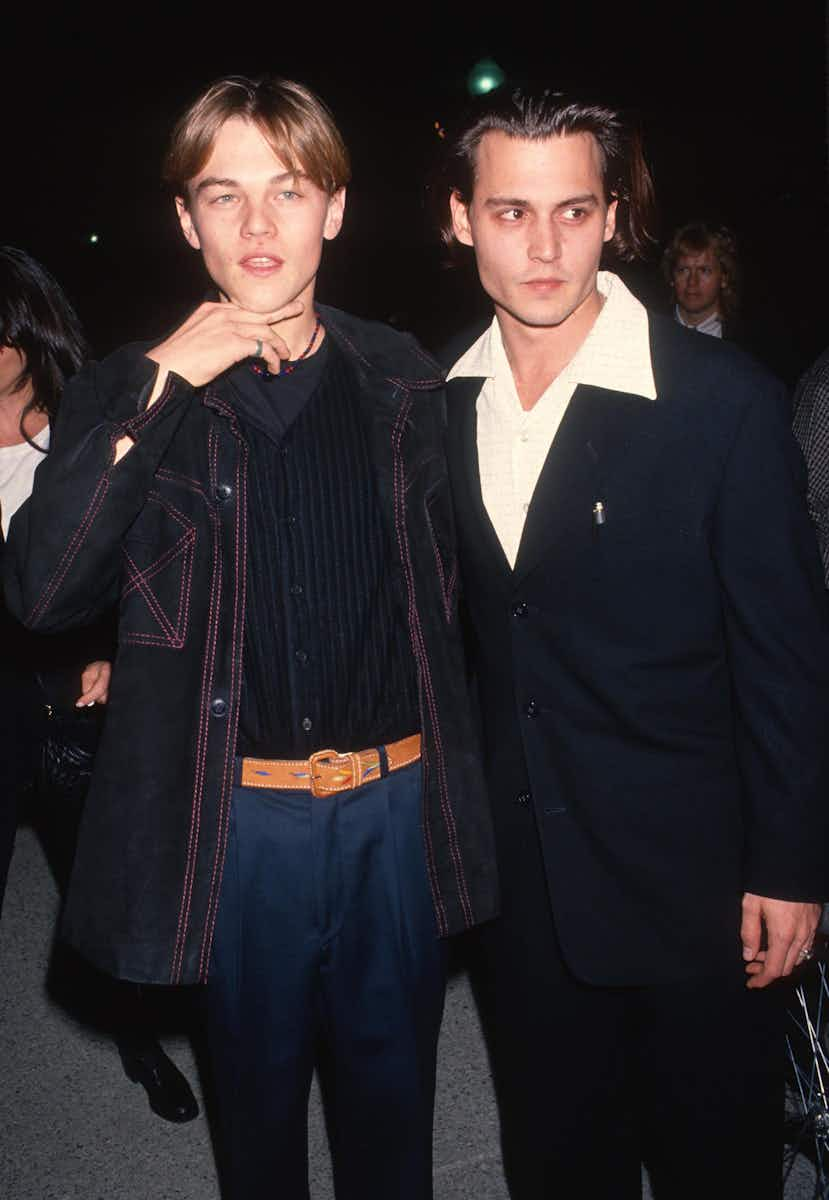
(264, 493)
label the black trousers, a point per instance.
(326, 955)
(592, 1081)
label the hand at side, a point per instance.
(790, 928)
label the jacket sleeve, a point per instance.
(811, 428)
(777, 625)
(62, 565)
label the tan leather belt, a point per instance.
(328, 771)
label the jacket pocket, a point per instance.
(157, 556)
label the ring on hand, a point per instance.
(805, 953)
(258, 351)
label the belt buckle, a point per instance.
(346, 777)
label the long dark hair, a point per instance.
(541, 114)
(38, 321)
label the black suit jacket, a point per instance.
(659, 683)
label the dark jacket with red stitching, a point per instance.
(162, 533)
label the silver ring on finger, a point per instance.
(258, 351)
(805, 953)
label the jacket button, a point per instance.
(532, 709)
(218, 707)
(523, 798)
(520, 609)
(223, 491)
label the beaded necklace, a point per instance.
(266, 374)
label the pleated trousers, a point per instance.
(326, 957)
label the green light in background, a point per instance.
(485, 77)
(93, 238)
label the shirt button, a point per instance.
(301, 656)
(289, 520)
(223, 491)
(525, 437)
(532, 709)
(307, 724)
(520, 609)
(523, 798)
(296, 589)
(525, 507)
(218, 707)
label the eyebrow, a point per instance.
(514, 202)
(214, 180)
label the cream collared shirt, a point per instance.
(513, 444)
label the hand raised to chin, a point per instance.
(213, 338)
(216, 336)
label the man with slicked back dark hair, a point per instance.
(651, 645)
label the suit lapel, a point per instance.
(477, 532)
(594, 434)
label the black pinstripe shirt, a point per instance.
(327, 657)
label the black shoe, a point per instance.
(168, 1092)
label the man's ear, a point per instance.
(186, 223)
(610, 220)
(334, 215)
(460, 219)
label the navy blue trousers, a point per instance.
(326, 955)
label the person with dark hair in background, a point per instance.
(650, 638)
(701, 268)
(265, 492)
(50, 686)
(41, 345)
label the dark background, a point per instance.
(732, 101)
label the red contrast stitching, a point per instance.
(174, 636)
(419, 649)
(235, 687)
(201, 739)
(48, 594)
(175, 477)
(425, 385)
(447, 588)
(137, 581)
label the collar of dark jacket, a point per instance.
(381, 350)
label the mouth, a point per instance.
(261, 265)
(544, 285)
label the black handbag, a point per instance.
(67, 750)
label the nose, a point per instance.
(545, 244)
(258, 220)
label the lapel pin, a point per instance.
(598, 513)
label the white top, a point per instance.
(17, 474)
(513, 444)
(712, 324)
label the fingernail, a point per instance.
(748, 954)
